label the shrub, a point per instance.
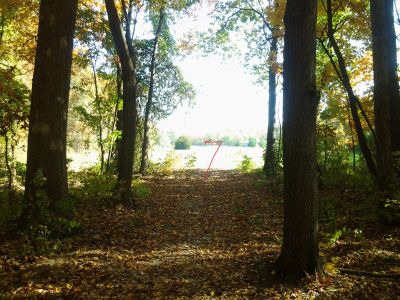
(252, 142)
(140, 189)
(90, 187)
(165, 167)
(9, 210)
(190, 161)
(246, 165)
(182, 143)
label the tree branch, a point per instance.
(369, 274)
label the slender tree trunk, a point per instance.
(353, 100)
(115, 122)
(299, 254)
(2, 25)
(100, 125)
(10, 184)
(127, 145)
(270, 162)
(352, 143)
(278, 156)
(325, 149)
(49, 107)
(128, 32)
(386, 88)
(101, 144)
(149, 104)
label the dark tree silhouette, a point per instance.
(299, 254)
(46, 173)
(126, 146)
(386, 88)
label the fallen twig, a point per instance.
(366, 273)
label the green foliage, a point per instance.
(328, 212)
(262, 143)
(64, 227)
(170, 162)
(37, 241)
(20, 169)
(337, 235)
(167, 166)
(252, 142)
(182, 143)
(14, 96)
(89, 187)
(40, 200)
(140, 189)
(238, 209)
(390, 213)
(190, 161)
(59, 219)
(345, 233)
(9, 210)
(258, 219)
(246, 165)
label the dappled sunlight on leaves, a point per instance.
(191, 238)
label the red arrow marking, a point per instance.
(211, 142)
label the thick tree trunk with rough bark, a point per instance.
(353, 100)
(149, 104)
(270, 162)
(49, 107)
(127, 145)
(386, 88)
(299, 254)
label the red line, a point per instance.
(219, 143)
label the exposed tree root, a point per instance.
(369, 274)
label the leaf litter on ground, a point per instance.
(192, 238)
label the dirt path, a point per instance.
(189, 239)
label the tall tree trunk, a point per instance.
(49, 107)
(279, 149)
(115, 122)
(10, 176)
(270, 163)
(2, 25)
(353, 100)
(325, 148)
(127, 145)
(299, 254)
(386, 88)
(100, 125)
(149, 104)
(353, 148)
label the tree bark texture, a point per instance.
(270, 162)
(353, 100)
(49, 105)
(127, 146)
(383, 29)
(299, 253)
(386, 88)
(149, 103)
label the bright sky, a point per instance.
(227, 101)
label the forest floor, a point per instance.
(192, 238)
